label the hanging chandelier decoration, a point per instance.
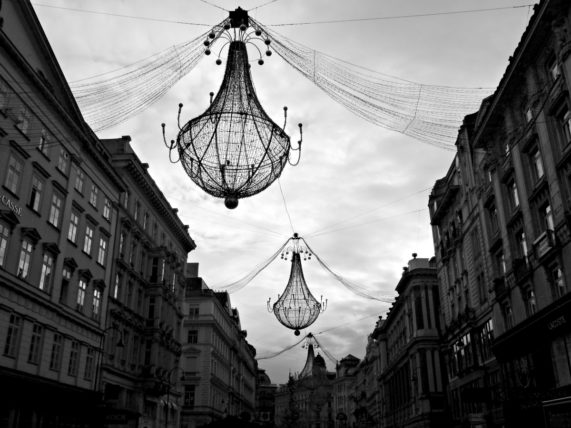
(296, 308)
(234, 150)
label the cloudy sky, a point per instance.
(359, 195)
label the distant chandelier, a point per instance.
(296, 308)
(234, 150)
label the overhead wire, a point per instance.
(285, 206)
(415, 15)
(120, 15)
(364, 213)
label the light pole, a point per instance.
(168, 378)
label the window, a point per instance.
(522, 244)
(107, 209)
(89, 360)
(194, 313)
(137, 209)
(14, 174)
(81, 290)
(192, 336)
(530, 302)
(66, 277)
(88, 239)
(419, 313)
(508, 315)
(55, 356)
(93, 195)
(564, 119)
(500, 262)
(43, 142)
(553, 68)
(485, 339)
(536, 164)
(23, 122)
(25, 257)
(4, 235)
(46, 275)
(126, 200)
(96, 310)
(547, 217)
(63, 160)
(55, 210)
(36, 194)
(73, 225)
(13, 336)
(79, 181)
(529, 114)
(4, 95)
(482, 289)
(35, 344)
(145, 220)
(73, 359)
(102, 254)
(493, 217)
(557, 282)
(514, 198)
(117, 287)
(189, 391)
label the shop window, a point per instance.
(73, 365)
(56, 353)
(35, 344)
(561, 360)
(13, 336)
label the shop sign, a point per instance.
(557, 322)
(12, 205)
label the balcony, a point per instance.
(544, 244)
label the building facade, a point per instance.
(57, 228)
(411, 381)
(141, 379)
(513, 173)
(219, 366)
(464, 260)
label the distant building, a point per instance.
(411, 380)
(307, 400)
(343, 390)
(58, 194)
(366, 392)
(511, 250)
(141, 380)
(265, 400)
(219, 366)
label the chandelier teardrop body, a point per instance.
(233, 150)
(296, 308)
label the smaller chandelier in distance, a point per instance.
(296, 308)
(234, 150)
